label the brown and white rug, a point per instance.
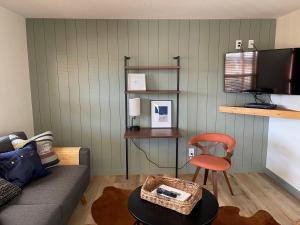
(114, 202)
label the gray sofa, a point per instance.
(50, 200)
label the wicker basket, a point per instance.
(184, 207)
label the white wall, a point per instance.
(288, 30)
(15, 103)
(283, 157)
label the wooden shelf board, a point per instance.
(152, 67)
(153, 133)
(153, 92)
(278, 112)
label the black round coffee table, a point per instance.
(148, 213)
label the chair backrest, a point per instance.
(228, 141)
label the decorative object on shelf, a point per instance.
(183, 207)
(136, 82)
(161, 113)
(134, 111)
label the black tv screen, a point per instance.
(274, 71)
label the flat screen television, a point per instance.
(275, 71)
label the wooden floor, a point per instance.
(253, 191)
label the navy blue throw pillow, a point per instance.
(22, 165)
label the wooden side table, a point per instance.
(147, 213)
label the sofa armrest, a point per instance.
(84, 157)
(73, 155)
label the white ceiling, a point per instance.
(152, 9)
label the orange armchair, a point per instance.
(212, 162)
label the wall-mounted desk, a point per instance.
(278, 112)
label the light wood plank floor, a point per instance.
(253, 191)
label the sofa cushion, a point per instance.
(22, 165)
(8, 191)
(5, 143)
(63, 186)
(30, 215)
(44, 146)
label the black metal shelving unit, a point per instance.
(152, 132)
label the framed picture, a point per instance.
(136, 82)
(161, 113)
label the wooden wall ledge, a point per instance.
(278, 112)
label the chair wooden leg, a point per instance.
(196, 174)
(205, 176)
(83, 200)
(228, 183)
(215, 183)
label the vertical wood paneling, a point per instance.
(92, 48)
(183, 110)
(240, 100)
(103, 59)
(153, 79)
(221, 97)
(193, 77)
(133, 52)
(84, 83)
(212, 80)
(234, 34)
(248, 120)
(42, 75)
(163, 48)
(173, 49)
(53, 79)
(77, 80)
(202, 83)
(256, 121)
(33, 75)
(122, 51)
(145, 106)
(63, 78)
(75, 103)
(114, 97)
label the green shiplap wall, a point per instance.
(77, 85)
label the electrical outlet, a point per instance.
(251, 44)
(238, 44)
(191, 152)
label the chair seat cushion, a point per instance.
(211, 162)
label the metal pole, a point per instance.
(177, 112)
(126, 58)
(176, 172)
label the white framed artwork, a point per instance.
(136, 82)
(161, 113)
